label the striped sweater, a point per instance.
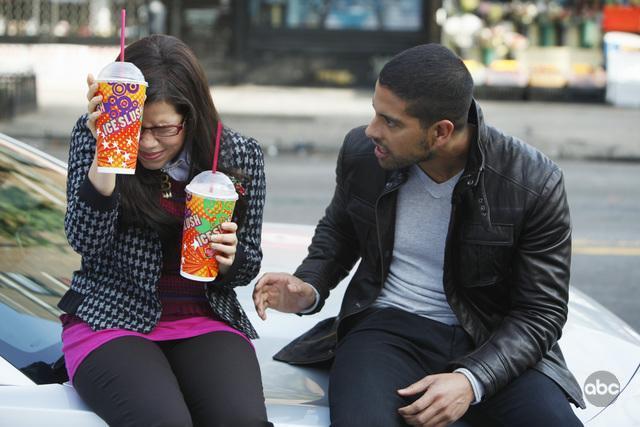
(116, 286)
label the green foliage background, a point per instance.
(24, 218)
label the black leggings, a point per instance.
(209, 380)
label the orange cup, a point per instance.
(118, 127)
(208, 205)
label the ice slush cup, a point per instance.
(211, 198)
(123, 88)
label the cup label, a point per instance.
(129, 119)
(118, 127)
(203, 219)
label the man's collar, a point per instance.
(475, 160)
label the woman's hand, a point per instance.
(105, 183)
(94, 101)
(225, 245)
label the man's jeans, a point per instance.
(389, 349)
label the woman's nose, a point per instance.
(146, 138)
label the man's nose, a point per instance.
(372, 130)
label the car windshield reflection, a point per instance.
(36, 263)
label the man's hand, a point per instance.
(283, 292)
(446, 398)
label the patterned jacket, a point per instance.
(116, 285)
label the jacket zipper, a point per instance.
(384, 193)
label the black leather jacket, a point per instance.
(507, 255)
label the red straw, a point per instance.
(123, 17)
(216, 150)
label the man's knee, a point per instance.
(532, 399)
(366, 374)
(365, 402)
(561, 414)
(365, 417)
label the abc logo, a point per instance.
(601, 388)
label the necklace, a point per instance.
(165, 186)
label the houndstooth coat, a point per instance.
(116, 285)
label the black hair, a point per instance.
(176, 77)
(433, 81)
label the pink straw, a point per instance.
(123, 18)
(217, 147)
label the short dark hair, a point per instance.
(433, 81)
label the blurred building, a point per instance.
(335, 42)
(549, 50)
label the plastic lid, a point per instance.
(122, 71)
(216, 185)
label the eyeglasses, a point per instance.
(163, 131)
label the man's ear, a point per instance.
(442, 132)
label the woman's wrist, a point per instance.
(105, 183)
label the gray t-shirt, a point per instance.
(414, 283)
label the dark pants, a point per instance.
(209, 380)
(388, 349)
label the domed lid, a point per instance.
(122, 71)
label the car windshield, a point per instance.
(36, 261)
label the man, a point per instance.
(464, 241)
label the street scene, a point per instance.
(298, 76)
(594, 144)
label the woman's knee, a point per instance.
(231, 417)
(139, 390)
(162, 416)
(146, 412)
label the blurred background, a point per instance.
(563, 76)
(528, 47)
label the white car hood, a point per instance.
(593, 339)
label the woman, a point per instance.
(144, 346)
